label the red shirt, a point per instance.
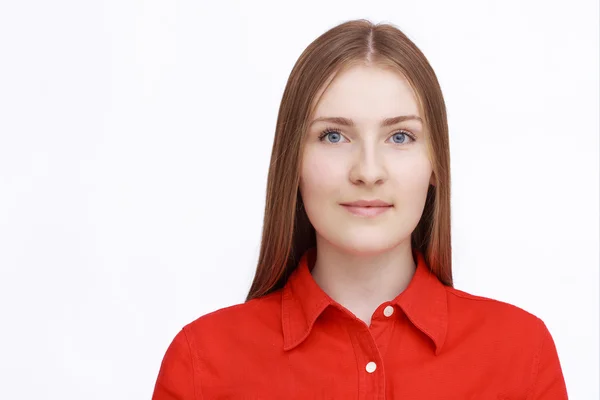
(430, 342)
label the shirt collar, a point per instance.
(423, 301)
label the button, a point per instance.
(371, 367)
(389, 310)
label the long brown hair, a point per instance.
(287, 232)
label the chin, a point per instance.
(367, 244)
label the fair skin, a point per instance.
(364, 261)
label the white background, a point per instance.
(135, 139)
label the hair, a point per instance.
(287, 232)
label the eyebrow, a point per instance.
(386, 122)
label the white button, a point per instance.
(371, 367)
(389, 310)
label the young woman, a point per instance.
(353, 295)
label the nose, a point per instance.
(368, 166)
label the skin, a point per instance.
(363, 262)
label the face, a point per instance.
(358, 158)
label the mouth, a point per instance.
(368, 210)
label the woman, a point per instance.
(353, 295)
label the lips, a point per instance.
(367, 208)
(368, 203)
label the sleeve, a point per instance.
(548, 381)
(175, 379)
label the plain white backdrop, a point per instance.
(135, 139)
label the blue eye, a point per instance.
(400, 136)
(334, 136)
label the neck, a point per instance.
(361, 282)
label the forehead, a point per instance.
(367, 94)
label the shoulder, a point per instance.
(215, 341)
(236, 322)
(493, 320)
(511, 337)
(464, 302)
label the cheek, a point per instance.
(410, 174)
(410, 179)
(320, 177)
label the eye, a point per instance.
(402, 137)
(333, 135)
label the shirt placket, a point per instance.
(371, 371)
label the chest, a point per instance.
(393, 361)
